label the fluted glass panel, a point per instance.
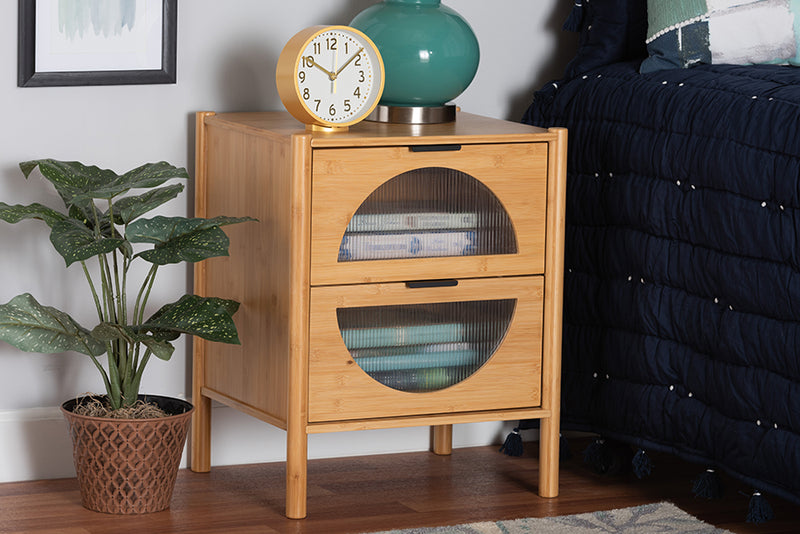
(428, 212)
(424, 347)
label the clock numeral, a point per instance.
(331, 43)
(306, 94)
(346, 48)
(347, 106)
(361, 77)
(317, 102)
(317, 48)
(332, 110)
(308, 62)
(357, 92)
(357, 62)
(302, 75)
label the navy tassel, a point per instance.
(708, 485)
(759, 510)
(642, 465)
(575, 19)
(598, 456)
(513, 444)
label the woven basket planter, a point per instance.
(128, 466)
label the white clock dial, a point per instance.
(339, 76)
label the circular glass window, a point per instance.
(428, 212)
(424, 347)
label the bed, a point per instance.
(682, 282)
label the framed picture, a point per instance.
(96, 42)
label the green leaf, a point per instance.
(71, 179)
(180, 239)
(129, 208)
(152, 174)
(190, 247)
(16, 213)
(160, 229)
(76, 242)
(75, 181)
(207, 317)
(161, 349)
(31, 327)
(113, 332)
(145, 176)
(85, 211)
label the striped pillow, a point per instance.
(682, 33)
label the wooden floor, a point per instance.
(371, 493)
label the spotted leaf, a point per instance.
(75, 181)
(31, 327)
(16, 213)
(131, 207)
(75, 242)
(179, 239)
(207, 317)
(114, 332)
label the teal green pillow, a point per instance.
(683, 33)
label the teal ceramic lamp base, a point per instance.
(430, 56)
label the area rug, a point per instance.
(656, 518)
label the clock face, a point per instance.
(339, 76)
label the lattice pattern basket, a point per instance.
(128, 466)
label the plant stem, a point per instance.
(144, 293)
(94, 291)
(140, 370)
(106, 380)
(122, 346)
(120, 301)
(108, 289)
(138, 317)
(114, 390)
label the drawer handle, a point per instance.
(419, 284)
(435, 148)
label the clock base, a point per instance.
(413, 114)
(329, 129)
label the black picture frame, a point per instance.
(28, 76)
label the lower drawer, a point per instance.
(389, 350)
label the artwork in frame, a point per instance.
(96, 42)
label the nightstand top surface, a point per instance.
(467, 128)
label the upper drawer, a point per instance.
(405, 213)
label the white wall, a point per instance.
(227, 51)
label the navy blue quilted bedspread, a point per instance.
(682, 289)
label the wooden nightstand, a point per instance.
(398, 276)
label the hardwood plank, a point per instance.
(362, 494)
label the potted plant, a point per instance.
(103, 221)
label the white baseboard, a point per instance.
(35, 442)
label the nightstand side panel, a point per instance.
(250, 174)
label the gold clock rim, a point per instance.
(286, 79)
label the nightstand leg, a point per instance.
(548, 457)
(296, 471)
(201, 434)
(442, 439)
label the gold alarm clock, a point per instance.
(330, 76)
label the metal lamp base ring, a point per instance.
(413, 114)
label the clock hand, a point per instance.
(346, 63)
(331, 75)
